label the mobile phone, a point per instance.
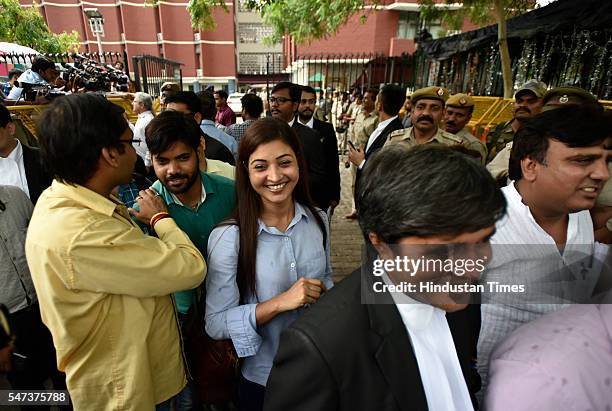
(350, 143)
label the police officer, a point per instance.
(457, 114)
(427, 113)
(553, 98)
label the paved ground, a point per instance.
(346, 238)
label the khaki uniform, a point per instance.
(498, 167)
(406, 137)
(475, 144)
(498, 139)
(364, 126)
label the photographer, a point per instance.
(43, 73)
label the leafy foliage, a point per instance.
(26, 26)
(304, 20)
(478, 11)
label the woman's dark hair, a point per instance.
(248, 202)
(170, 127)
(73, 131)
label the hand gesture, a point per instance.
(150, 204)
(303, 291)
(356, 156)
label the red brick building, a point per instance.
(233, 54)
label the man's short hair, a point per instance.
(309, 89)
(188, 98)
(72, 132)
(41, 64)
(434, 190)
(252, 104)
(169, 128)
(392, 98)
(373, 91)
(145, 99)
(295, 91)
(574, 126)
(208, 107)
(14, 72)
(5, 116)
(222, 94)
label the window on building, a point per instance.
(258, 63)
(242, 6)
(252, 33)
(410, 24)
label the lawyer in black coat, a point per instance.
(37, 177)
(351, 350)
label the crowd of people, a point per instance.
(134, 253)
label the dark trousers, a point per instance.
(35, 359)
(250, 395)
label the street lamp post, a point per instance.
(96, 24)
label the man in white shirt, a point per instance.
(360, 347)
(20, 165)
(143, 106)
(43, 72)
(558, 167)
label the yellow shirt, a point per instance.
(220, 168)
(103, 288)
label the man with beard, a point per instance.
(457, 114)
(558, 167)
(427, 113)
(197, 201)
(527, 103)
(306, 109)
(284, 101)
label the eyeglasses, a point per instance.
(279, 100)
(131, 141)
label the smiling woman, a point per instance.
(271, 259)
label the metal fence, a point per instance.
(151, 72)
(107, 58)
(358, 70)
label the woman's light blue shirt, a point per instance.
(282, 258)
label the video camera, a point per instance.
(93, 76)
(31, 91)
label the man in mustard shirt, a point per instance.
(104, 286)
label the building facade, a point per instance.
(234, 55)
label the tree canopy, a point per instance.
(27, 27)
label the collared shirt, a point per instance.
(216, 203)
(139, 134)
(209, 128)
(561, 361)
(498, 167)
(103, 288)
(523, 253)
(220, 168)
(12, 170)
(473, 144)
(17, 291)
(225, 116)
(237, 130)
(309, 123)
(363, 127)
(432, 342)
(291, 122)
(498, 138)
(379, 129)
(407, 137)
(30, 77)
(282, 258)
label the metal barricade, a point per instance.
(151, 72)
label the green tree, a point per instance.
(26, 26)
